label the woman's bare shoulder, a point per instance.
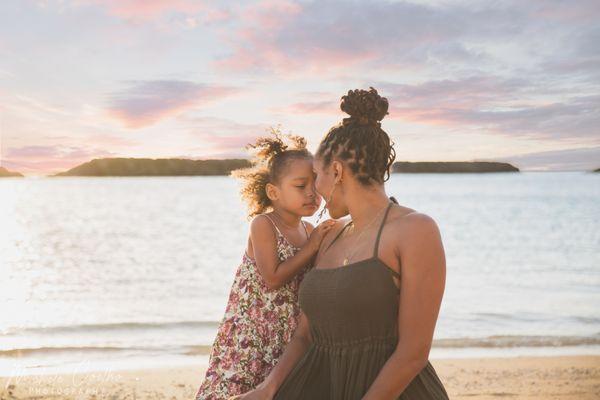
(410, 227)
(401, 215)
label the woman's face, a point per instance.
(325, 182)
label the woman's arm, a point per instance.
(423, 276)
(274, 272)
(294, 350)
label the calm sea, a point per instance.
(121, 272)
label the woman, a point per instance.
(371, 302)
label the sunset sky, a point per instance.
(503, 80)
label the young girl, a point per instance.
(262, 311)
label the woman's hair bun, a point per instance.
(365, 107)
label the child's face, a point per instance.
(297, 188)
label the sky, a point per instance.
(505, 80)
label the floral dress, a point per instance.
(257, 325)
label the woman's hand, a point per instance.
(317, 235)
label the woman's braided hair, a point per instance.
(272, 156)
(359, 140)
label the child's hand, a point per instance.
(317, 235)
(256, 394)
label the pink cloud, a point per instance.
(272, 14)
(147, 9)
(324, 107)
(581, 10)
(258, 49)
(110, 141)
(220, 136)
(421, 102)
(46, 159)
(144, 103)
(514, 107)
(337, 35)
(218, 146)
(200, 126)
(229, 142)
(257, 44)
(469, 92)
(214, 15)
(501, 106)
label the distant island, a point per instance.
(4, 173)
(187, 167)
(452, 167)
(596, 170)
(155, 167)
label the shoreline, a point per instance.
(59, 361)
(531, 377)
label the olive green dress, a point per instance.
(353, 315)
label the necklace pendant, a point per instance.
(345, 261)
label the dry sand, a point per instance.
(561, 377)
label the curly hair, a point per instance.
(359, 140)
(272, 157)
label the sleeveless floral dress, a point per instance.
(257, 325)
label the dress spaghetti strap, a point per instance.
(273, 222)
(280, 233)
(337, 236)
(376, 247)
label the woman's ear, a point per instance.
(272, 191)
(338, 170)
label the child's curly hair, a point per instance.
(271, 159)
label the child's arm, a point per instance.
(264, 244)
(294, 350)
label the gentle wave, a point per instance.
(198, 350)
(48, 350)
(518, 341)
(195, 350)
(186, 350)
(528, 317)
(111, 327)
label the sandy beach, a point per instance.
(557, 377)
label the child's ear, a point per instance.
(272, 191)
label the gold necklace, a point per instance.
(348, 257)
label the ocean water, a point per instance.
(122, 272)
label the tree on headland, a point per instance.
(4, 173)
(452, 167)
(154, 167)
